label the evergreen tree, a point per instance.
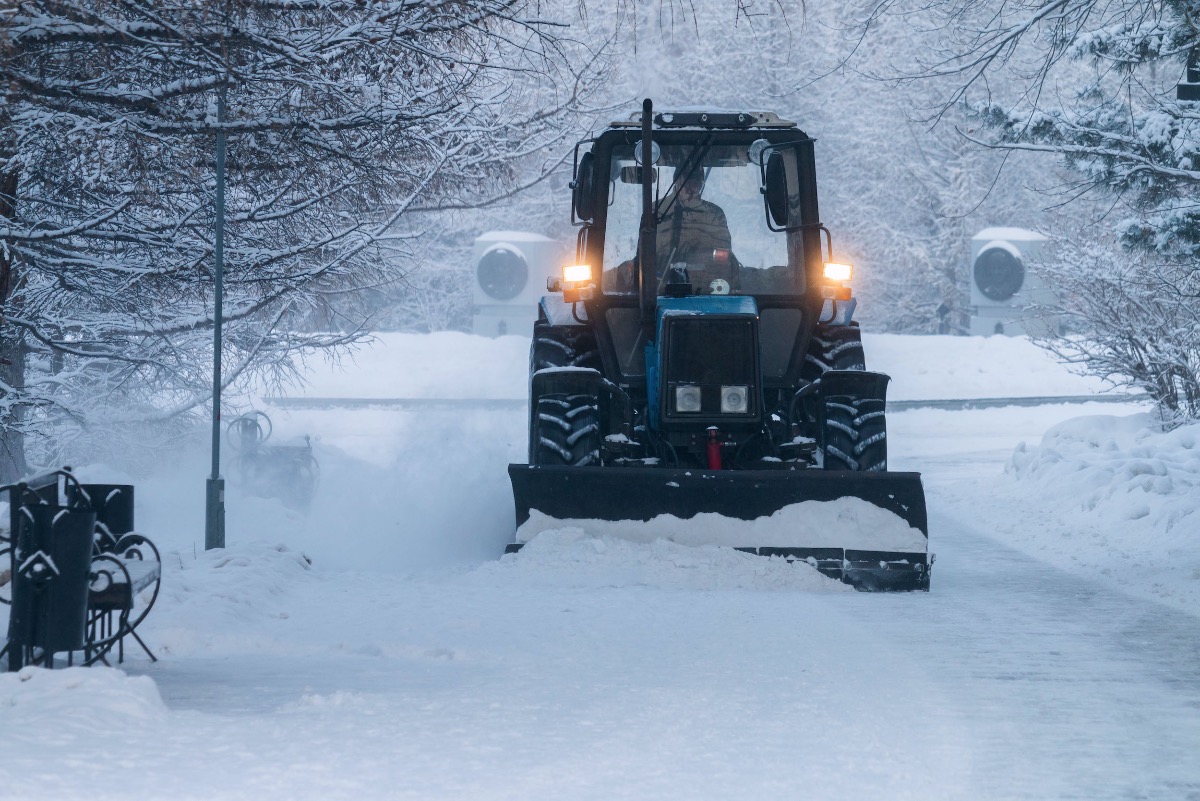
(1093, 84)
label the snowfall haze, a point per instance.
(379, 643)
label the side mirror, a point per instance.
(584, 186)
(775, 189)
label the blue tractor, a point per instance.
(701, 355)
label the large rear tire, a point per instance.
(833, 347)
(566, 431)
(563, 346)
(854, 435)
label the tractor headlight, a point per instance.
(835, 271)
(687, 398)
(735, 400)
(577, 273)
(576, 283)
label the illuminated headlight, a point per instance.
(687, 399)
(838, 272)
(577, 273)
(735, 400)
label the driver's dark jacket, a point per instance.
(688, 235)
(692, 234)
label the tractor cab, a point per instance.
(724, 204)
(711, 235)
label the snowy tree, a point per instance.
(343, 118)
(1094, 84)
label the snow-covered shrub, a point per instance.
(1137, 322)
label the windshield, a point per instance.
(712, 228)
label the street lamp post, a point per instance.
(214, 511)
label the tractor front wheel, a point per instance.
(855, 434)
(566, 431)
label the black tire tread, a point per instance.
(563, 346)
(566, 430)
(855, 435)
(833, 347)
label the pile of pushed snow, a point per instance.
(572, 557)
(1119, 496)
(841, 523)
(1122, 469)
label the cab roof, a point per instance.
(707, 119)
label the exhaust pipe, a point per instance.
(648, 244)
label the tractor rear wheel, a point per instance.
(566, 431)
(833, 347)
(563, 346)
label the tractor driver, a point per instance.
(695, 234)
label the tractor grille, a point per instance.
(711, 354)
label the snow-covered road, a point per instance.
(406, 662)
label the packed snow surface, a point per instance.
(378, 646)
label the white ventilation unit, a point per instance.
(511, 268)
(1003, 288)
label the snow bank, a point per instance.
(1118, 496)
(842, 523)
(1122, 469)
(239, 576)
(571, 556)
(73, 705)
(216, 597)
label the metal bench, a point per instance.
(52, 609)
(124, 586)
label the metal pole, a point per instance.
(214, 512)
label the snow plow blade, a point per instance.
(644, 493)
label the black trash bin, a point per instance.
(50, 575)
(114, 509)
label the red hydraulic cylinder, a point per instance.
(714, 449)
